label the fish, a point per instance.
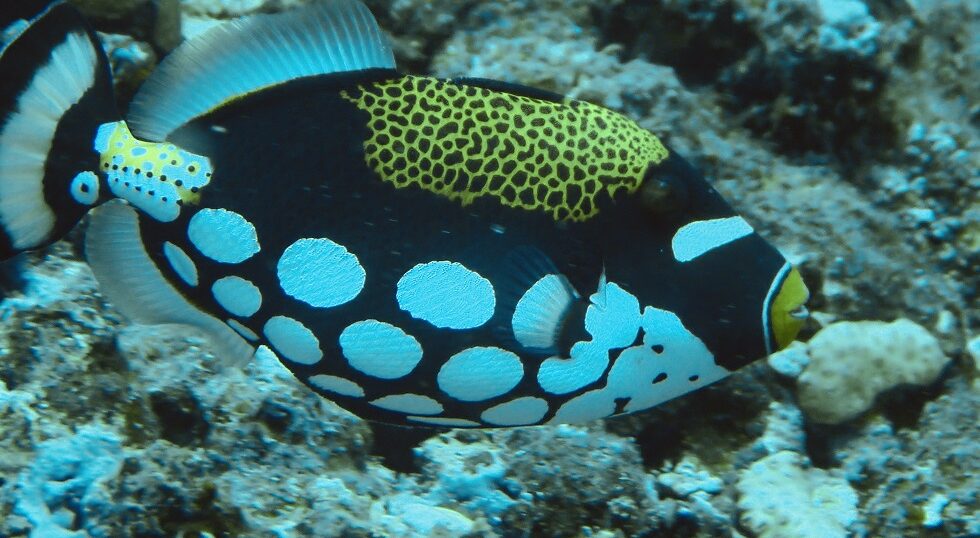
(424, 252)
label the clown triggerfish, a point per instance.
(464, 252)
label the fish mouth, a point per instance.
(787, 309)
(801, 313)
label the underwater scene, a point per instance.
(475, 268)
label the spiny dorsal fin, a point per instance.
(256, 52)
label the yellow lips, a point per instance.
(788, 311)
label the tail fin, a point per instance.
(56, 92)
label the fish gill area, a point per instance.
(846, 131)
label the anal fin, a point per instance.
(131, 281)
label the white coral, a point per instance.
(781, 495)
(851, 363)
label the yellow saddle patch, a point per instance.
(464, 142)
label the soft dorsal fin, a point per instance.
(256, 52)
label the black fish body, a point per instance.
(423, 251)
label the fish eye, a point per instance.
(663, 192)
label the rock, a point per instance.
(933, 511)
(66, 483)
(781, 495)
(154, 21)
(791, 361)
(914, 477)
(851, 363)
(131, 62)
(784, 430)
(973, 348)
(686, 478)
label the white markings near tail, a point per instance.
(181, 263)
(28, 135)
(85, 188)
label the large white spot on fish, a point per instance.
(561, 375)
(380, 349)
(181, 263)
(246, 333)
(410, 404)
(519, 412)
(222, 235)
(670, 350)
(591, 405)
(293, 340)
(337, 385)
(480, 373)
(538, 315)
(670, 362)
(237, 295)
(447, 295)
(696, 238)
(320, 273)
(613, 319)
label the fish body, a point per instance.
(464, 253)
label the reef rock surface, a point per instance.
(847, 131)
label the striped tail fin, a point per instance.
(56, 92)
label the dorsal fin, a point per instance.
(256, 52)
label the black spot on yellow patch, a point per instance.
(477, 142)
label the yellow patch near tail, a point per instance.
(465, 142)
(155, 177)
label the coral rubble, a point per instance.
(846, 131)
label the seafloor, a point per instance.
(847, 131)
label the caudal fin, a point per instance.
(56, 91)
